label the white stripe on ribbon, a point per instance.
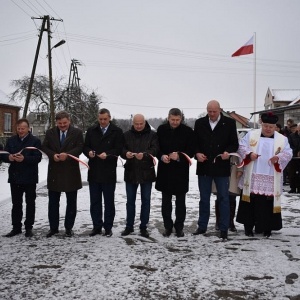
(153, 158)
(4, 152)
(43, 153)
(241, 164)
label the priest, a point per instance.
(266, 153)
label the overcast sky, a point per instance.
(148, 56)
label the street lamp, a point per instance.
(50, 77)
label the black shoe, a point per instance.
(199, 231)
(249, 233)
(167, 232)
(126, 231)
(28, 233)
(108, 233)
(179, 233)
(224, 235)
(95, 231)
(144, 232)
(69, 233)
(51, 232)
(13, 232)
(232, 228)
(292, 191)
(267, 234)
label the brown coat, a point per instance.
(63, 176)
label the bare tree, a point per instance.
(81, 104)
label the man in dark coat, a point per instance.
(140, 148)
(22, 176)
(103, 144)
(216, 137)
(176, 143)
(63, 171)
(294, 164)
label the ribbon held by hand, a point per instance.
(240, 165)
(43, 153)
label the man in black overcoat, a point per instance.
(177, 144)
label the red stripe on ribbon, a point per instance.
(70, 155)
(79, 160)
(187, 158)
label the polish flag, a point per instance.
(244, 50)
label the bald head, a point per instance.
(138, 122)
(213, 110)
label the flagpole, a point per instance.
(254, 79)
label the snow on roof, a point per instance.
(285, 94)
(4, 99)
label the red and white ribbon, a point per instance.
(187, 158)
(241, 164)
(153, 159)
(79, 160)
(4, 152)
(43, 153)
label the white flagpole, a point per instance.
(254, 79)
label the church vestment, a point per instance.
(262, 181)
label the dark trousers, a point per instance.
(108, 191)
(293, 173)
(180, 211)
(17, 191)
(53, 209)
(258, 213)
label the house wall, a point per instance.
(14, 111)
(268, 100)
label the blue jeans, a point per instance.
(222, 185)
(131, 190)
(108, 191)
(53, 209)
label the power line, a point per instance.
(51, 9)
(35, 12)
(20, 8)
(158, 107)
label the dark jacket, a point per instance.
(25, 172)
(63, 176)
(103, 170)
(294, 140)
(173, 178)
(146, 141)
(214, 142)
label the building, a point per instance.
(9, 114)
(241, 122)
(39, 122)
(283, 102)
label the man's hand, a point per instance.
(201, 157)
(165, 159)
(174, 156)
(102, 155)
(225, 155)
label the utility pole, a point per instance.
(33, 69)
(46, 19)
(74, 90)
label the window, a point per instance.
(7, 122)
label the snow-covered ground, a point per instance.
(133, 267)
